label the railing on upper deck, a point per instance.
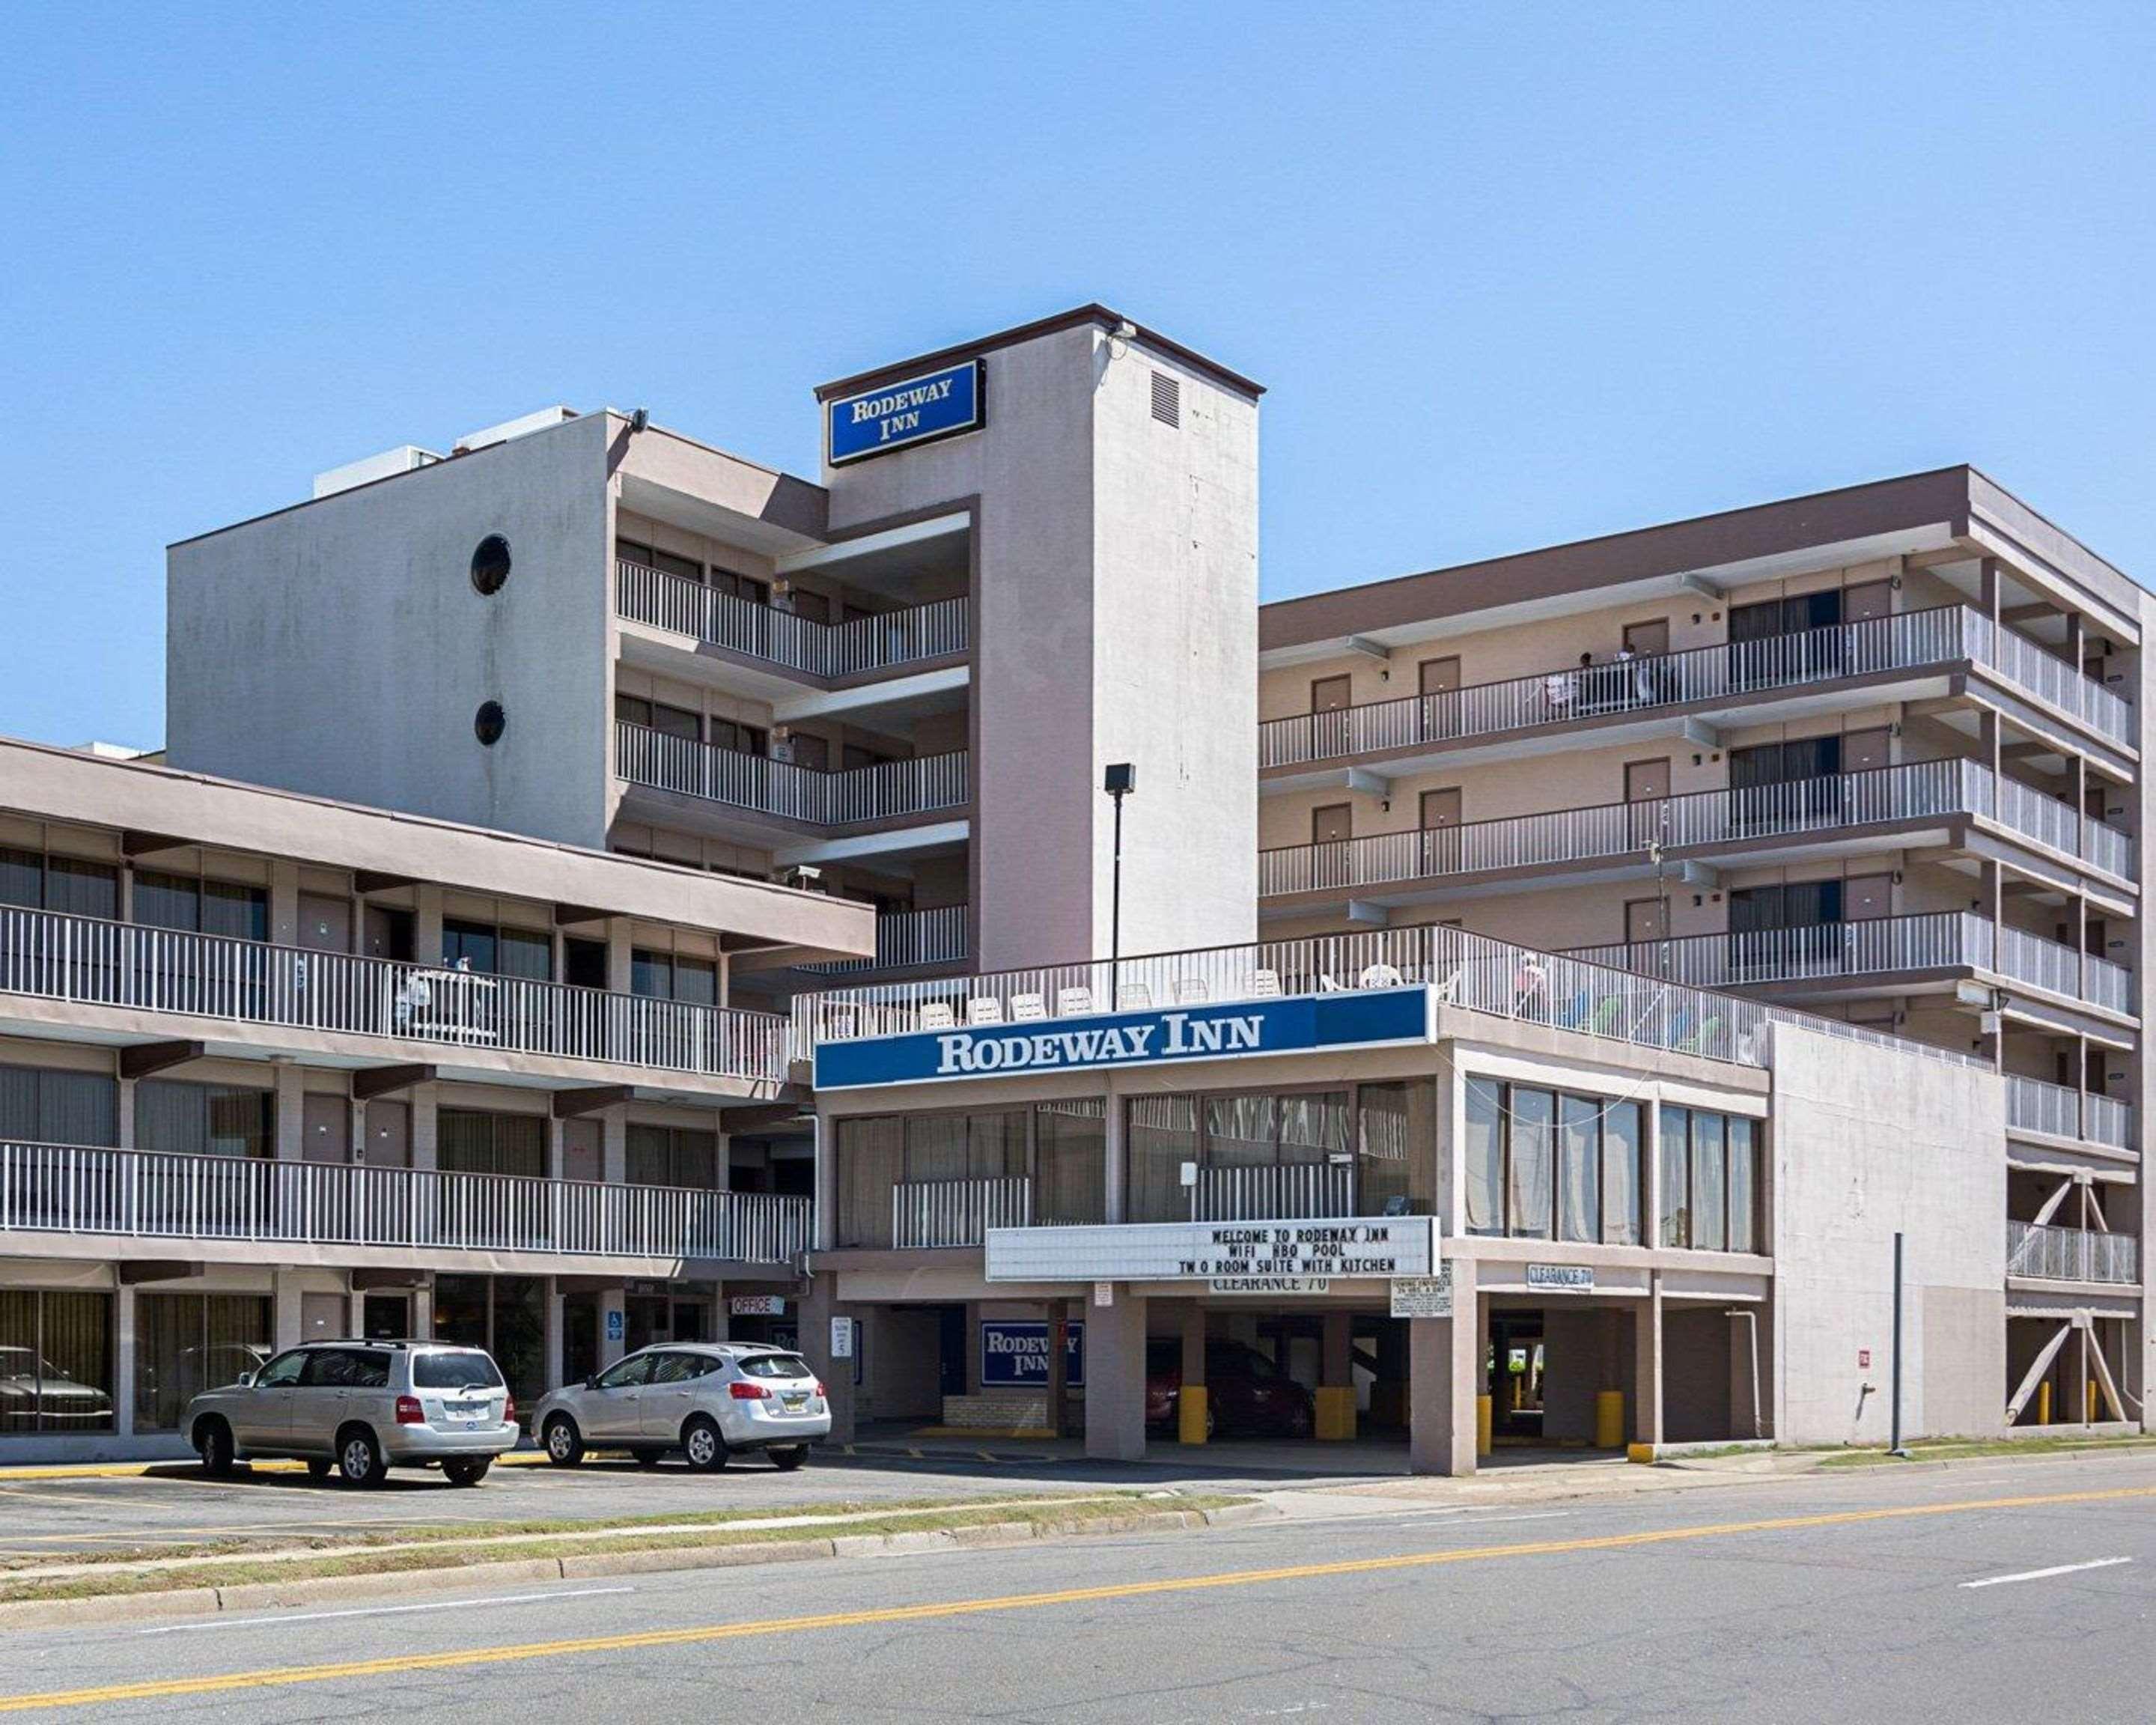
(2072, 1253)
(904, 938)
(883, 792)
(880, 642)
(2059, 1112)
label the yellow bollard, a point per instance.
(1482, 1444)
(1609, 1419)
(2044, 1402)
(1334, 1413)
(1190, 1413)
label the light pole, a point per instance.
(1121, 780)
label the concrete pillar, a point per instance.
(1444, 1382)
(620, 949)
(1192, 1398)
(552, 1377)
(283, 902)
(1647, 1365)
(1336, 1378)
(422, 1311)
(614, 1326)
(426, 1137)
(290, 1087)
(123, 1362)
(818, 1308)
(285, 1308)
(427, 923)
(123, 1114)
(1115, 1378)
(1113, 1165)
(613, 1146)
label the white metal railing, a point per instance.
(2072, 1253)
(2032, 1105)
(1908, 641)
(889, 789)
(908, 938)
(121, 964)
(957, 1212)
(1281, 1192)
(74, 1190)
(906, 636)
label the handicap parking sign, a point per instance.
(615, 1325)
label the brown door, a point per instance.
(1332, 824)
(1438, 676)
(1643, 921)
(1866, 898)
(580, 1150)
(326, 1128)
(324, 1317)
(1440, 808)
(1867, 600)
(325, 923)
(1440, 839)
(1332, 856)
(813, 752)
(1645, 637)
(388, 933)
(388, 1134)
(1330, 695)
(1865, 751)
(1646, 781)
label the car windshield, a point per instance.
(774, 1365)
(464, 1369)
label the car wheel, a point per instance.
(1212, 1420)
(648, 1458)
(359, 1458)
(213, 1443)
(789, 1457)
(467, 1472)
(565, 1444)
(318, 1469)
(706, 1449)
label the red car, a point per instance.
(1246, 1394)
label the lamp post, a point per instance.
(1121, 780)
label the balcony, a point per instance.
(888, 791)
(80, 960)
(149, 1194)
(931, 1214)
(2045, 1254)
(886, 641)
(2057, 1111)
(1618, 832)
(1933, 641)
(1948, 940)
(905, 939)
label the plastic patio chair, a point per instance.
(984, 1009)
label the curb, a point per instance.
(269, 1595)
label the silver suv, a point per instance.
(711, 1400)
(362, 1408)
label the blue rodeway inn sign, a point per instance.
(899, 416)
(1131, 1039)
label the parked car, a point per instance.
(711, 1400)
(32, 1394)
(362, 1408)
(1246, 1394)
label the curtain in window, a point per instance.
(1743, 1186)
(1483, 1159)
(1620, 1174)
(1313, 1127)
(521, 952)
(55, 1361)
(1070, 1162)
(1709, 1222)
(468, 1141)
(872, 1160)
(43, 1107)
(1579, 1200)
(185, 1343)
(1382, 1140)
(1161, 1135)
(936, 1147)
(204, 1119)
(239, 912)
(82, 888)
(1242, 1131)
(1675, 1173)
(1528, 1198)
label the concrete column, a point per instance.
(555, 1129)
(818, 1308)
(290, 1087)
(1336, 1392)
(1115, 1378)
(427, 923)
(422, 1311)
(1192, 1398)
(426, 1138)
(614, 1326)
(283, 902)
(285, 1308)
(613, 1146)
(1112, 1171)
(123, 1362)
(1444, 1354)
(553, 1378)
(619, 947)
(1647, 1365)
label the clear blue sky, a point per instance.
(1514, 274)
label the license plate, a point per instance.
(794, 1403)
(471, 1416)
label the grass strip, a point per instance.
(1952, 1449)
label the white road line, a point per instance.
(2045, 1574)
(578, 1592)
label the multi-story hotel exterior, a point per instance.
(1546, 990)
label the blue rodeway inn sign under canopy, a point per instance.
(898, 416)
(1131, 1039)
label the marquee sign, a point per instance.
(1276, 1257)
(904, 415)
(1362, 1017)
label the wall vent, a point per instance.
(1167, 398)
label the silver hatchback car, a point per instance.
(711, 1400)
(362, 1408)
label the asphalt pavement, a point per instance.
(1986, 1592)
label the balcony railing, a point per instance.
(883, 792)
(888, 639)
(70, 1189)
(1943, 940)
(2061, 1112)
(1282, 1191)
(1603, 832)
(121, 964)
(908, 938)
(957, 1212)
(1910, 641)
(2072, 1253)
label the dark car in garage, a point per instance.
(1246, 1395)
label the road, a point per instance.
(1882, 1593)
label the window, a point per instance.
(672, 1156)
(55, 1361)
(1785, 617)
(346, 1368)
(1062, 1144)
(1675, 1222)
(1071, 1162)
(489, 565)
(496, 951)
(1540, 1165)
(667, 976)
(745, 587)
(1709, 1175)
(628, 1372)
(1710, 1229)
(1744, 1185)
(504, 1315)
(201, 906)
(630, 550)
(66, 884)
(464, 1369)
(657, 715)
(1484, 1153)
(1579, 1169)
(1289, 1153)
(682, 1368)
(204, 1119)
(185, 1343)
(774, 1365)
(1798, 904)
(39, 1106)
(284, 1371)
(1620, 1174)
(1529, 1173)
(489, 722)
(743, 739)
(469, 1142)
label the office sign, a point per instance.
(1362, 1017)
(757, 1304)
(1422, 1296)
(1217, 1252)
(1562, 1278)
(905, 414)
(1014, 1353)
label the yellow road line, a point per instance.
(279, 1676)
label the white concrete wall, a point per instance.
(1866, 1141)
(340, 648)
